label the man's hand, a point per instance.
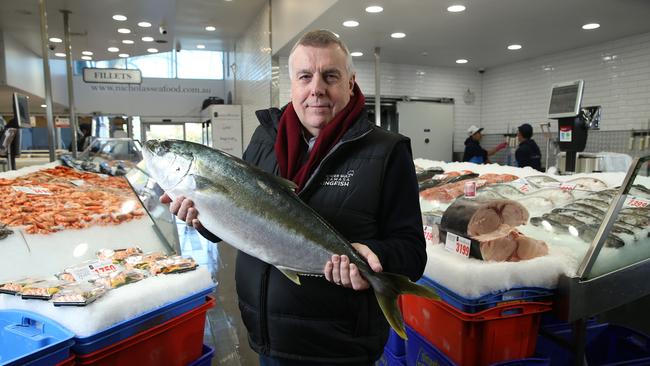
(340, 271)
(183, 208)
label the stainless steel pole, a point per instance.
(48, 80)
(377, 89)
(74, 128)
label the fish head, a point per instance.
(167, 161)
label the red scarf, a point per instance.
(288, 150)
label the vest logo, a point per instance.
(339, 180)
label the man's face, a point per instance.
(520, 137)
(476, 136)
(320, 85)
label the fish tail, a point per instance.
(388, 287)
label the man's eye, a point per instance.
(332, 77)
(304, 77)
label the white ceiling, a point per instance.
(483, 31)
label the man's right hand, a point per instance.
(183, 208)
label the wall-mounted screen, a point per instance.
(565, 99)
(21, 110)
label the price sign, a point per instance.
(565, 134)
(428, 234)
(103, 267)
(567, 187)
(635, 202)
(82, 273)
(33, 190)
(522, 185)
(458, 244)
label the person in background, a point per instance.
(474, 153)
(527, 153)
(118, 128)
(83, 140)
(358, 177)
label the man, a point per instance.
(527, 153)
(474, 153)
(358, 177)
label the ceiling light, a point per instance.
(456, 8)
(144, 24)
(43, 105)
(211, 28)
(200, 46)
(123, 55)
(55, 40)
(147, 39)
(87, 53)
(591, 26)
(124, 30)
(374, 9)
(87, 58)
(398, 35)
(59, 54)
(461, 61)
(356, 54)
(127, 41)
(119, 17)
(152, 50)
(350, 23)
(425, 53)
(113, 49)
(514, 47)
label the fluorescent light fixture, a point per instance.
(350, 23)
(200, 46)
(144, 24)
(43, 105)
(56, 40)
(591, 26)
(113, 49)
(87, 58)
(123, 55)
(152, 50)
(127, 41)
(119, 17)
(211, 28)
(514, 47)
(356, 54)
(374, 9)
(398, 35)
(456, 8)
(87, 53)
(461, 61)
(124, 30)
(59, 54)
(147, 39)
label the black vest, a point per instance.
(318, 321)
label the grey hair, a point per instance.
(322, 38)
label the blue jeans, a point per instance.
(275, 361)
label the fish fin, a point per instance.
(292, 275)
(285, 183)
(203, 183)
(388, 287)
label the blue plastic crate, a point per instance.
(523, 294)
(206, 357)
(420, 352)
(389, 359)
(606, 344)
(131, 327)
(31, 339)
(395, 344)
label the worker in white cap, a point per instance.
(474, 153)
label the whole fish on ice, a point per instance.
(261, 215)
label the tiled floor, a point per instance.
(224, 331)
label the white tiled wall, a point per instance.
(416, 81)
(616, 75)
(253, 59)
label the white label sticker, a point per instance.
(458, 244)
(33, 190)
(83, 273)
(428, 234)
(567, 187)
(566, 134)
(522, 185)
(78, 182)
(104, 267)
(635, 202)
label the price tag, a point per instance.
(33, 190)
(566, 134)
(82, 273)
(567, 187)
(105, 267)
(522, 185)
(78, 182)
(635, 202)
(428, 234)
(458, 244)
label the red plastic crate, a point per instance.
(68, 362)
(176, 342)
(498, 334)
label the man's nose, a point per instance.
(318, 86)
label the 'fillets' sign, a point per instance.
(112, 76)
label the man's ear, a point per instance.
(351, 84)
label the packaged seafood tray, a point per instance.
(206, 357)
(129, 328)
(498, 334)
(31, 339)
(15, 287)
(117, 255)
(121, 277)
(157, 345)
(467, 305)
(41, 290)
(606, 344)
(78, 294)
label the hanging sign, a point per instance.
(112, 76)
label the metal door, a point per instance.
(430, 126)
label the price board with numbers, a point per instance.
(458, 244)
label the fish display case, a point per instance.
(616, 264)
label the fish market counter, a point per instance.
(82, 250)
(492, 228)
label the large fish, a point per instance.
(261, 215)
